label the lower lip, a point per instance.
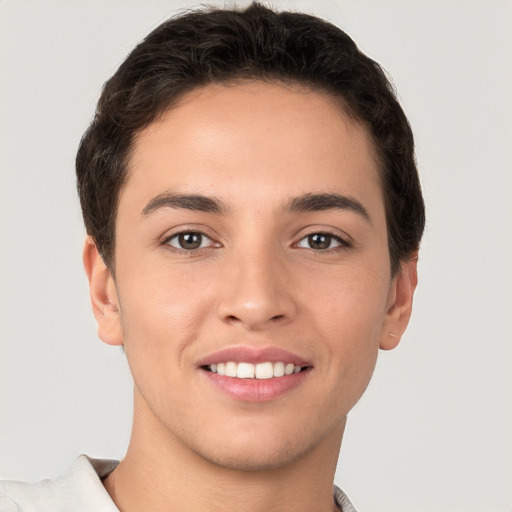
(256, 390)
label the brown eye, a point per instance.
(321, 242)
(189, 241)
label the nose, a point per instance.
(258, 292)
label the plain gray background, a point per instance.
(433, 432)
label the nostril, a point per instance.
(257, 312)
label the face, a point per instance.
(252, 276)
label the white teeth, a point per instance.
(230, 369)
(245, 371)
(278, 369)
(265, 370)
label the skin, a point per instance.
(256, 281)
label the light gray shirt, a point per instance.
(81, 490)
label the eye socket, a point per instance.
(194, 240)
(189, 241)
(321, 242)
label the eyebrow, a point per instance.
(195, 202)
(305, 203)
(319, 202)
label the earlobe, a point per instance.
(104, 298)
(399, 305)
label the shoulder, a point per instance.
(342, 501)
(6, 503)
(79, 490)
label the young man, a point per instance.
(254, 213)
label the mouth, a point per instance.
(260, 371)
(254, 374)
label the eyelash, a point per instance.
(176, 236)
(341, 243)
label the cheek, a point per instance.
(351, 300)
(349, 319)
(161, 314)
(160, 322)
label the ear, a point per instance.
(105, 302)
(399, 306)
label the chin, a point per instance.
(260, 450)
(252, 459)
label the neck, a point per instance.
(160, 473)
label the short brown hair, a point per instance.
(219, 45)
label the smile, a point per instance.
(243, 370)
(255, 374)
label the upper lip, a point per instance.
(254, 355)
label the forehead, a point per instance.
(253, 140)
